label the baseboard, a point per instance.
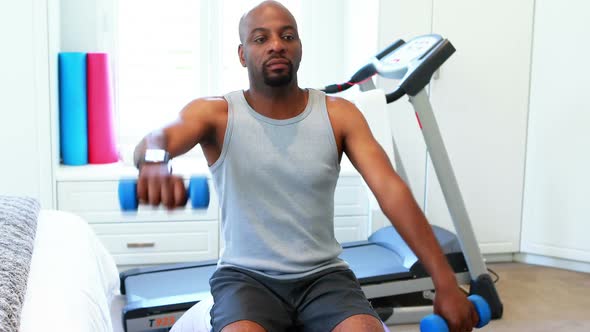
(498, 258)
(559, 263)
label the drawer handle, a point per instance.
(141, 245)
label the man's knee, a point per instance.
(362, 322)
(243, 326)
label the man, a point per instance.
(274, 152)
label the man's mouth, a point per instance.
(277, 63)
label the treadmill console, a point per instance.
(395, 64)
(413, 62)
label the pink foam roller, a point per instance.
(102, 145)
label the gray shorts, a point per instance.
(313, 303)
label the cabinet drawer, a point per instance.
(159, 242)
(97, 202)
(350, 197)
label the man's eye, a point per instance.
(288, 37)
(259, 40)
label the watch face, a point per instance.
(156, 155)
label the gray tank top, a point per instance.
(275, 180)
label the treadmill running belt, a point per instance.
(170, 282)
(372, 263)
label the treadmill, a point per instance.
(391, 276)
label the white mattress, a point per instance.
(73, 282)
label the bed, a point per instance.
(55, 274)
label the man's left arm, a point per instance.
(399, 206)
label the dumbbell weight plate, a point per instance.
(198, 190)
(128, 194)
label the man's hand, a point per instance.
(156, 185)
(456, 309)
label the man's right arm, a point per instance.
(195, 124)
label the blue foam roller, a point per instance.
(198, 190)
(435, 323)
(72, 108)
(128, 194)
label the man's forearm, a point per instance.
(153, 140)
(408, 219)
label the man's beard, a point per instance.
(278, 81)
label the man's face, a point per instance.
(271, 48)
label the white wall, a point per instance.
(85, 25)
(333, 48)
(25, 122)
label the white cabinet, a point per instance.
(159, 242)
(557, 184)
(351, 209)
(25, 121)
(149, 235)
(480, 100)
(98, 202)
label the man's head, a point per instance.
(270, 46)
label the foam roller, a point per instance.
(435, 323)
(102, 145)
(198, 193)
(73, 131)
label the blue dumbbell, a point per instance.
(198, 193)
(435, 323)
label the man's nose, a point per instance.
(277, 45)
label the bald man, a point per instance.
(274, 153)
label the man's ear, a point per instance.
(241, 55)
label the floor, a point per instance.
(537, 299)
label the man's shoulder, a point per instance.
(343, 114)
(207, 106)
(210, 110)
(340, 107)
(214, 102)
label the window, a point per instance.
(158, 64)
(171, 52)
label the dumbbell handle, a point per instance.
(198, 192)
(435, 323)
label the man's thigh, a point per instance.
(239, 296)
(331, 299)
